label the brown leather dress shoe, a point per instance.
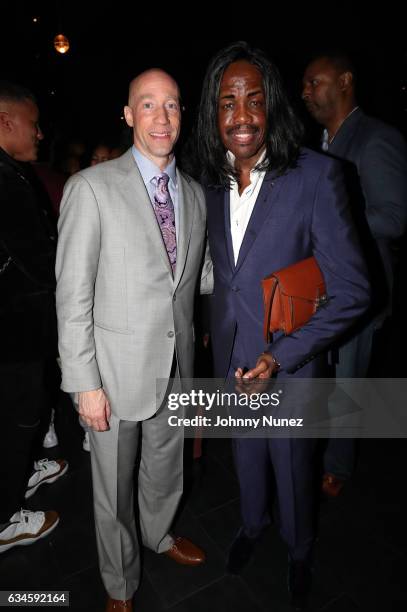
(331, 485)
(119, 605)
(183, 551)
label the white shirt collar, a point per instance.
(231, 159)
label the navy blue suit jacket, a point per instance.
(376, 180)
(302, 213)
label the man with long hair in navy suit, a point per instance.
(271, 204)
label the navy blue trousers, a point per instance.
(292, 461)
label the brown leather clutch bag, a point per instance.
(291, 296)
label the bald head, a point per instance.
(154, 113)
(148, 77)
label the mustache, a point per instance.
(247, 129)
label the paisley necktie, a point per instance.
(164, 211)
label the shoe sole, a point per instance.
(31, 492)
(28, 541)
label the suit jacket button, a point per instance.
(170, 334)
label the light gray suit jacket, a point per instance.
(121, 314)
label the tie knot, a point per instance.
(162, 179)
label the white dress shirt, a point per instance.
(241, 206)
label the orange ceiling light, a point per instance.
(61, 43)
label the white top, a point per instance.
(241, 206)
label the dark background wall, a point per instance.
(83, 92)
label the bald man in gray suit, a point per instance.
(131, 253)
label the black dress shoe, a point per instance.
(240, 552)
(299, 584)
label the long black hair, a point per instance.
(284, 131)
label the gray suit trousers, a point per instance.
(160, 482)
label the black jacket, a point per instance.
(27, 260)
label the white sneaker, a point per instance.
(50, 438)
(26, 527)
(45, 472)
(86, 442)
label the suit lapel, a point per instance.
(262, 209)
(186, 209)
(139, 200)
(345, 137)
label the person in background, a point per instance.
(374, 160)
(27, 321)
(100, 153)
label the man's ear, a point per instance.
(346, 81)
(6, 123)
(128, 115)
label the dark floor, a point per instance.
(361, 561)
(361, 553)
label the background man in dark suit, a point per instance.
(271, 204)
(27, 320)
(375, 164)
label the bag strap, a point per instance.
(268, 301)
